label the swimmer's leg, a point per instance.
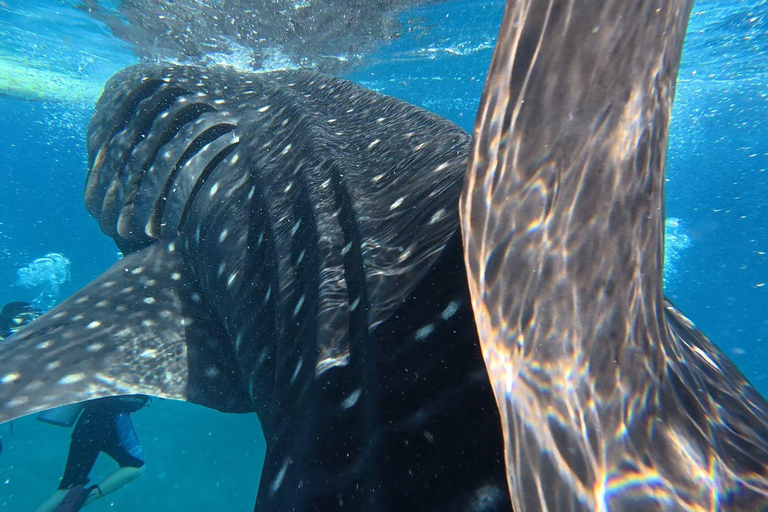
(114, 481)
(124, 447)
(82, 456)
(53, 502)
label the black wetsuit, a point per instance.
(104, 426)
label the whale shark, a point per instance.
(411, 339)
(292, 248)
(611, 399)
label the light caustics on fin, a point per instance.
(610, 398)
(292, 248)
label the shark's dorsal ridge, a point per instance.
(610, 398)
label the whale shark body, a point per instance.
(611, 399)
(293, 248)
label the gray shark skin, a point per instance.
(610, 398)
(293, 249)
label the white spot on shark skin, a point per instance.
(296, 371)
(196, 298)
(53, 365)
(172, 247)
(34, 385)
(44, 345)
(278, 481)
(108, 284)
(301, 257)
(77, 318)
(351, 399)
(175, 276)
(93, 324)
(60, 314)
(397, 203)
(450, 310)
(264, 108)
(288, 187)
(346, 249)
(441, 167)
(295, 227)
(703, 355)
(212, 372)
(331, 121)
(149, 300)
(233, 160)
(298, 306)
(267, 295)
(439, 214)
(262, 357)
(72, 378)
(18, 401)
(223, 235)
(137, 271)
(406, 254)
(148, 353)
(82, 299)
(147, 323)
(251, 192)
(95, 347)
(11, 377)
(372, 144)
(219, 101)
(287, 149)
(164, 115)
(424, 332)
(231, 279)
(354, 305)
(214, 189)
(197, 234)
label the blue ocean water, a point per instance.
(54, 58)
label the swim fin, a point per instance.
(75, 498)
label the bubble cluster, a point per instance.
(46, 274)
(675, 241)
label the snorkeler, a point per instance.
(13, 317)
(104, 426)
(16, 315)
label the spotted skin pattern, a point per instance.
(610, 398)
(293, 249)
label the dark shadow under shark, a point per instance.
(293, 249)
